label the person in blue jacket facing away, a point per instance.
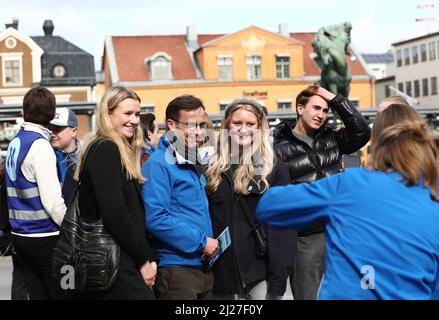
(177, 212)
(381, 223)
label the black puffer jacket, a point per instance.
(306, 164)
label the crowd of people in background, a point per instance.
(292, 213)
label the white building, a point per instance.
(380, 65)
(417, 68)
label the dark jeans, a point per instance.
(35, 256)
(18, 287)
(309, 267)
(183, 284)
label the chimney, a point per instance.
(191, 36)
(14, 24)
(48, 28)
(283, 30)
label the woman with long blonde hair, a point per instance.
(243, 168)
(381, 222)
(109, 189)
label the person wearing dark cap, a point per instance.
(67, 147)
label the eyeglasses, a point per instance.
(192, 125)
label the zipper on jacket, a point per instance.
(310, 151)
(314, 156)
(244, 285)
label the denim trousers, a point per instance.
(309, 268)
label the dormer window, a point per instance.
(160, 66)
(59, 71)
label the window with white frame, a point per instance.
(433, 83)
(432, 50)
(225, 68)
(284, 105)
(160, 66)
(398, 58)
(387, 90)
(408, 88)
(148, 108)
(406, 56)
(415, 58)
(59, 71)
(417, 88)
(423, 52)
(12, 67)
(254, 68)
(223, 105)
(424, 87)
(282, 67)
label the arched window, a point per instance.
(160, 66)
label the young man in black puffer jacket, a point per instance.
(313, 150)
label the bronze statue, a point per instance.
(331, 45)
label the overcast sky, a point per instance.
(376, 23)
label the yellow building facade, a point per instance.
(271, 68)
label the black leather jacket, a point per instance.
(306, 164)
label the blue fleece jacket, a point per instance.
(177, 212)
(382, 236)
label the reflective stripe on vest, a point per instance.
(27, 215)
(23, 194)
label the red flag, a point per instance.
(426, 19)
(426, 6)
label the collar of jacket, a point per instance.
(252, 187)
(166, 145)
(150, 146)
(30, 126)
(73, 156)
(284, 130)
(78, 147)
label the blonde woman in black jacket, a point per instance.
(242, 169)
(110, 190)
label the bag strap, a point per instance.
(96, 140)
(75, 195)
(250, 219)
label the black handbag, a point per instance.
(259, 231)
(87, 247)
